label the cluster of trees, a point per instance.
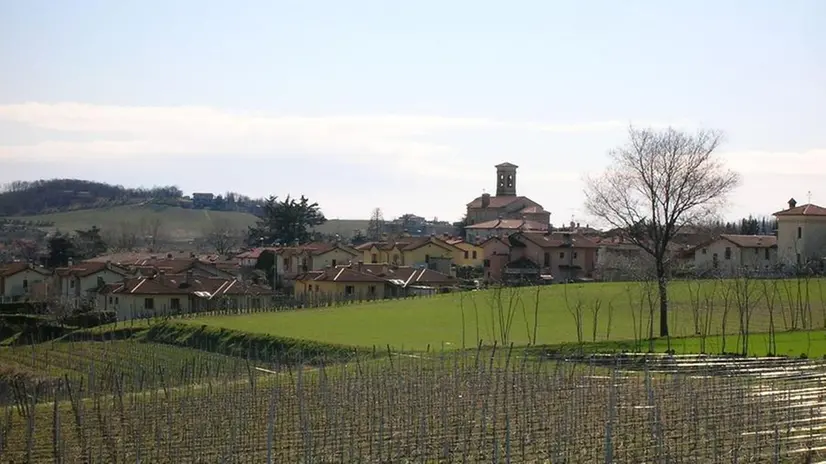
(747, 226)
(286, 222)
(80, 245)
(54, 195)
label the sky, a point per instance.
(407, 106)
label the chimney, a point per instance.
(189, 277)
(485, 200)
(71, 262)
(792, 203)
(359, 265)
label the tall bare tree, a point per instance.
(375, 228)
(659, 182)
(223, 236)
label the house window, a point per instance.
(427, 258)
(287, 263)
(333, 262)
(25, 283)
(72, 283)
(371, 290)
(116, 300)
(705, 251)
(316, 287)
(395, 259)
(799, 232)
(349, 290)
(474, 254)
(715, 261)
(766, 256)
(798, 258)
(486, 263)
(111, 300)
(575, 255)
(728, 253)
(148, 303)
(756, 251)
(175, 304)
(547, 259)
(466, 254)
(510, 180)
(561, 255)
(374, 258)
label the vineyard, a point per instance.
(86, 402)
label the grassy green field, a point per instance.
(177, 224)
(606, 311)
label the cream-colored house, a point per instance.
(78, 282)
(731, 253)
(801, 234)
(162, 294)
(18, 280)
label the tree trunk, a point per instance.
(662, 285)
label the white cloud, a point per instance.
(117, 131)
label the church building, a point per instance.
(506, 204)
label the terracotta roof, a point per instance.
(10, 269)
(339, 274)
(509, 224)
(803, 210)
(495, 201)
(406, 244)
(87, 268)
(181, 284)
(751, 241)
(409, 275)
(555, 240)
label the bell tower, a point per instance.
(506, 180)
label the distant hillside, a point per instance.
(21, 198)
(59, 195)
(175, 224)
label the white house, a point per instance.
(160, 294)
(801, 234)
(731, 253)
(18, 280)
(78, 282)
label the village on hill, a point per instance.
(505, 238)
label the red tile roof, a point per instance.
(10, 269)
(495, 201)
(751, 241)
(508, 224)
(181, 284)
(555, 240)
(87, 268)
(803, 210)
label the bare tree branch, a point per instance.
(657, 184)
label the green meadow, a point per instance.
(704, 316)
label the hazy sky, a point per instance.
(406, 106)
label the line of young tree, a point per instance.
(47, 196)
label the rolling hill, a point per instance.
(176, 224)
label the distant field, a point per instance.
(623, 314)
(177, 224)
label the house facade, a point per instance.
(431, 252)
(78, 282)
(730, 254)
(801, 234)
(539, 256)
(163, 294)
(468, 254)
(370, 281)
(18, 281)
(506, 204)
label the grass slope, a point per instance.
(178, 224)
(454, 320)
